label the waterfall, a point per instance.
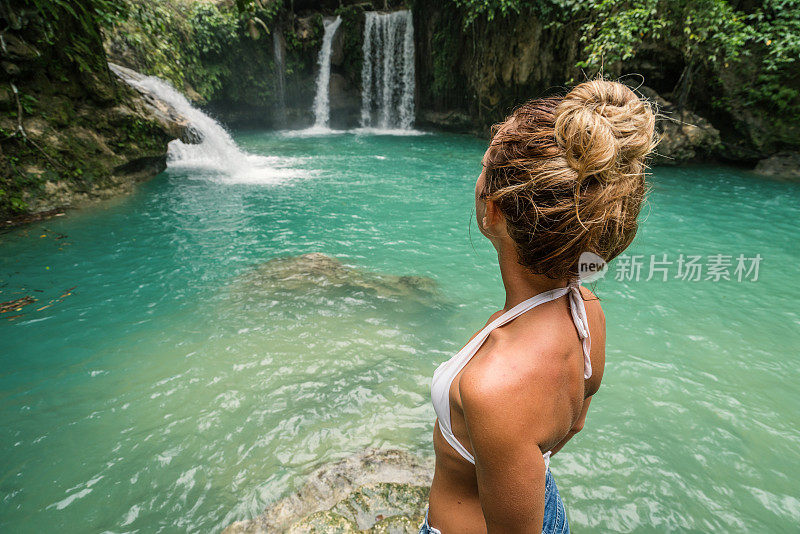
(217, 153)
(387, 75)
(322, 99)
(216, 148)
(280, 76)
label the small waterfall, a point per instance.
(216, 149)
(216, 152)
(387, 75)
(278, 48)
(322, 99)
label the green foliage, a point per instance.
(704, 31)
(13, 186)
(707, 35)
(13, 202)
(82, 18)
(193, 45)
(66, 36)
(489, 9)
(202, 45)
(777, 27)
(213, 30)
(554, 11)
(777, 30)
(353, 49)
(170, 41)
(444, 49)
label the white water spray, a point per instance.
(387, 75)
(322, 99)
(216, 154)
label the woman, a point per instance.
(562, 176)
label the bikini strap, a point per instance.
(472, 347)
(581, 321)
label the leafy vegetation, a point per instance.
(58, 89)
(776, 29)
(219, 54)
(186, 43)
(711, 36)
(708, 34)
(84, 18)
(60, 86)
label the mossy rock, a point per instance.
(375, 491)
(381, 508)
(326, 522)
(376, 503)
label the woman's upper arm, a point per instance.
(508, 462)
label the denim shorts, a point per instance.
(555, 515)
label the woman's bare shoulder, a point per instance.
(497, 386)
(506, 365)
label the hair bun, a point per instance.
(605, 130)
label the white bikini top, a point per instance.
(444, 374)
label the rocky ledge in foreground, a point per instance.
(376, 491)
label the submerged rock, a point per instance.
(376, 491)
(317, 272)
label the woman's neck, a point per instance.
(519, 282)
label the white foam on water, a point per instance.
(387, 131)
(314, 131)
(328, 132)
(60, 505)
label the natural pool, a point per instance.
(163, 394)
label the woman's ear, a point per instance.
(491, 215)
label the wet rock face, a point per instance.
(684, 136)
(377, 491)
(449, 121)
(167, 116)
(77, 135)
(383, 507)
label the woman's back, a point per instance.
(561, 177)
(540, 349)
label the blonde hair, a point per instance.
(568, 174)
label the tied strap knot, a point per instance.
(578, 311)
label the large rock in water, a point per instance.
(377, 491)
(449, 121)
(781, 165)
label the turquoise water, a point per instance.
(165, 394)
